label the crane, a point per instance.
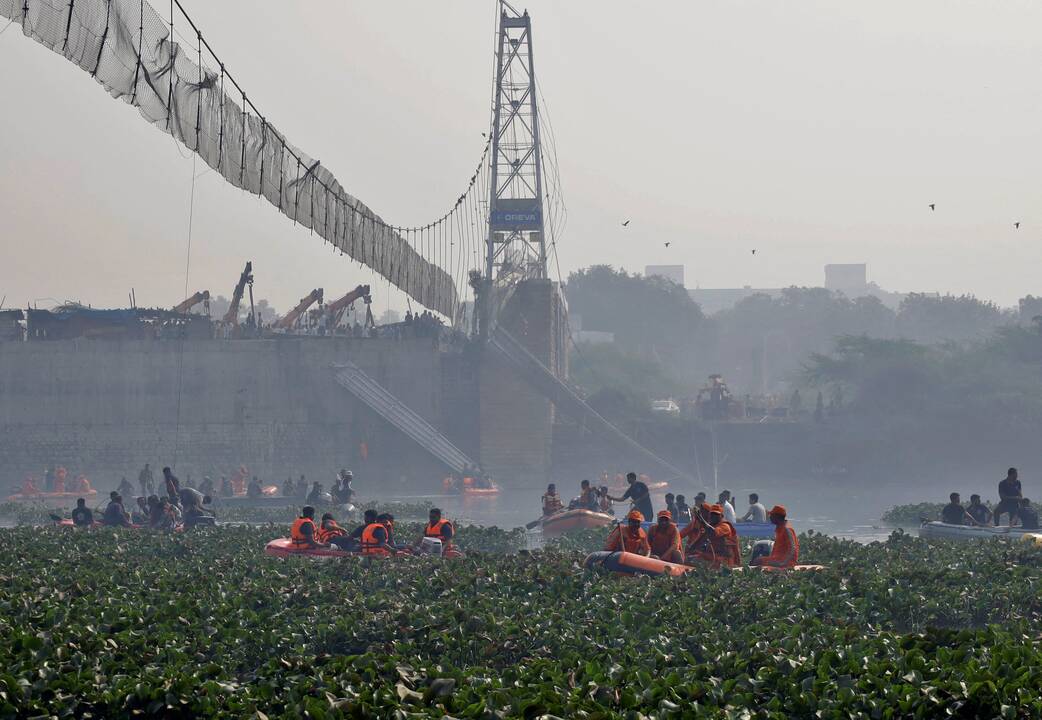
(246, 278)
(337, 307)
(201, 296)
(289, 319)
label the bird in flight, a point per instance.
(667, 244)
(1016, 225)
(754, 252)
(625, 223)
(933, 206)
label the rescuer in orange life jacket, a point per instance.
(303, 533)
(330, 532)
(786, 550)
(439, 529)
(376, 537)
(633, 538)
(664, 539)
(713, 541)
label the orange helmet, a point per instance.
(635, 515)
(665, 514)
(778, 511)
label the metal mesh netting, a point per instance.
(129, 48)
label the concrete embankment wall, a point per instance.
(106, 407)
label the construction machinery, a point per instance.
(336, 308)
(201, 296)
(287, 321)
(246, 278)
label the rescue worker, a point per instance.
(694, 531)
(551, 502)
(638, 494)
(332, 534)
(441, 529)
(303, 533)
(317, 493)
(632, 539)
(253, 490)
(368, 518)
(683, 515)
(719, 546)
(81, 485)
(786, 550)
(81, 514)
(376, 537)
(671, 505)
(604, 503)
(664, 539)
(288, 489)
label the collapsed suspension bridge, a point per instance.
(163, 65)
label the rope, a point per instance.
(184, 328)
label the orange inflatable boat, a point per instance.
(633, 564)
(284, 547)
(577, 519)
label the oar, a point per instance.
(532, 524)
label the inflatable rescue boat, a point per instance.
(577, 519)
(633, 564)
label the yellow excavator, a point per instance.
(287, 321)
(246, 278)
(336, 308)
(201, 296)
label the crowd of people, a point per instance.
(178, 507)
(1012, 503)
(374, 536)
(708, 533)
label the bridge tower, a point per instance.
(515, 245)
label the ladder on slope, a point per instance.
(383, 403)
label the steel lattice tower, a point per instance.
(515, 243)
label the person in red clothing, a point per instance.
(786, 550)
(664, 539)
(632, 539)
(694, 531)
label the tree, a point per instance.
(929, 318)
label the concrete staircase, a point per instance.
(383, 403)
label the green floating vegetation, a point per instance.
(122, 623)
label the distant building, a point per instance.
(713, 300)
(670, 272)
(850, 279)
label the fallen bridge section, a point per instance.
(383, 403)
(567, 400)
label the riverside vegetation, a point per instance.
(102, 624)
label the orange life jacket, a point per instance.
(296, 533)
(325, 534)
(370, 544)
(434, 531)
(662, 541)
(631, 542)
(786, 551)
(727, 546)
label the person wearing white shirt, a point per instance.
(756, 513)
(725, 503)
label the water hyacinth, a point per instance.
(113, 623)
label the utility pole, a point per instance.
(515, 244)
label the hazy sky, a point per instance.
(815, 132)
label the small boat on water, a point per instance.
(284, 548)
(937, 529)
(52, 499)
(746, 530)
(480, 491)
(577, 519)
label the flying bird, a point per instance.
(1016, 225)
(933, 206)
(667, 244)
(754, 252)
(627, 222)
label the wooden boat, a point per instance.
(969, 532)
(577, 519)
